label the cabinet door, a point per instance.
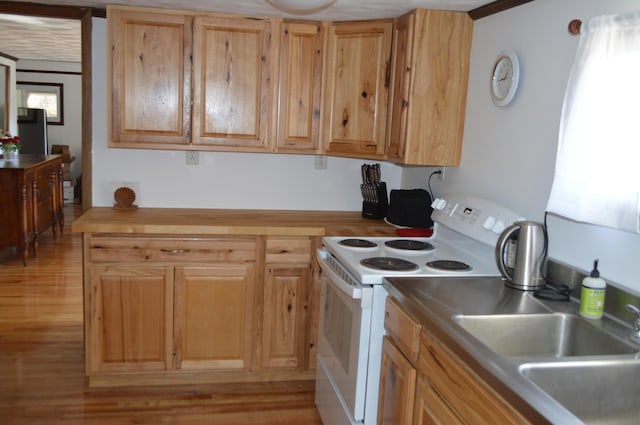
(150, 78)
(214, 310)
(430, 409)
(430, 77)
(129, 326)
(400, 79)
(285, 316)
(357, 74)
(468, 395)
(397, 387)
(232, 83)
(301, 47)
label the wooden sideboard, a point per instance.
(30, 200)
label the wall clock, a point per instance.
(504, 78)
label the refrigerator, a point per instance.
(32, 129)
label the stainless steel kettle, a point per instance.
(520, 253)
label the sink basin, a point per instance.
(542, 335)
(596, 392)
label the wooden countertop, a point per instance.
(229, 222)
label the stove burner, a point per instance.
(358, 243)
(389, 263)
(449, 265)
(409, 245)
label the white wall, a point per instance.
(221, 180)
(70, 133)
(509, 153)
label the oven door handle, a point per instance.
(352, 289)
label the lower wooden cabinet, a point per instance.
(158, 312)
(436, 388)
(463, 391)
(213, 318)
(285, 316)
(430, 409)
(286, 324)
(397, 386)
(130, 319)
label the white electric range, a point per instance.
(351, 322)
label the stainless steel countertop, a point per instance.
(435, 301)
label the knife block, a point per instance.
(376, 207)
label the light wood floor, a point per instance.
(41, 360)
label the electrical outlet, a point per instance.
(441, 175)
(321, 162)
(192, 157)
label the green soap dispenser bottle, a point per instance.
(592, 294)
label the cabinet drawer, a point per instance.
(402, 329)
(168, 249)
(463, 391)
(288, 250)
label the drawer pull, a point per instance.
(175, 251)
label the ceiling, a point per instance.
(52, 39)
(48, 39)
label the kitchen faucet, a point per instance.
(635, 333)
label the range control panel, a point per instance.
(474, 217)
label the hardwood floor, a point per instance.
(42, 378)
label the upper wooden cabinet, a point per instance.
(232, 81)
(300, 81)
(150, 78)
(155, 105)
(380, 89)
(356, 93)
(430, 73)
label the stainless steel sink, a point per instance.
(597, 392)
(568, 369)
(542, 335)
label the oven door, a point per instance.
(343, 338)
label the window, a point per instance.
(597, 177)
(47, 96)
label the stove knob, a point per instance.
(489, 223)
(499, 226)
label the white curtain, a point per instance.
(597, 175)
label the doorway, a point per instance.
(84, 15)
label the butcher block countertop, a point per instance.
(191, 221)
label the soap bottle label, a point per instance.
(592, 302)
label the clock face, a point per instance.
(504, 78)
